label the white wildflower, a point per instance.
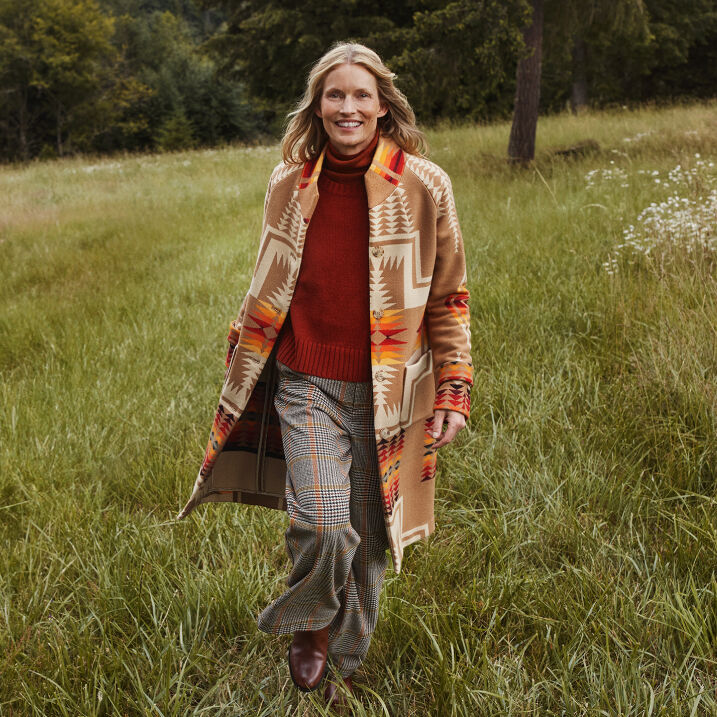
(637, 137)
(678, 226)
(615, 174)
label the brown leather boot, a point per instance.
(307, 658)
(336, 692)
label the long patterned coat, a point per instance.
(420, 339)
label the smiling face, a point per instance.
(350, 107)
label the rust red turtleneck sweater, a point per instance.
(327, 331)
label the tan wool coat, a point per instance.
(419, 329)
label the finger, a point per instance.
(454, 422)
(447, 437)
(437, 426)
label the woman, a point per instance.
(349, 364)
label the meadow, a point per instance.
(573, 567)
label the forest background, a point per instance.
(103, 76)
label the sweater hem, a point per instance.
(341, 363)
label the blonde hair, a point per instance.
(305, 135)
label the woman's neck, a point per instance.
(353, 164)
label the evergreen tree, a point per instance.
(162, 53)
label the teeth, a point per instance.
(348, 124)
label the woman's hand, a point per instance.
(454, 422)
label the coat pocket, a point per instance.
(419, 389)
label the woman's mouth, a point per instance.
(348, 124)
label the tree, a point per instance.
(17, 60)
(162, 54)
(176, 133)
(454, 61)
(55, 67)
(452, 58)
(567, 25)
(574, 32)
(603, 51)
(271, 46)
(521, 145)
(74, 57)
(673, 60)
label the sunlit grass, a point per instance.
(572, 569)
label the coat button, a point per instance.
(380, 375)
(377, 251)
(385, 433)
(377, 313)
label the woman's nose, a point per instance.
(348, 104)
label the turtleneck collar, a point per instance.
(348, 167)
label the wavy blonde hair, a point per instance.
(305, 135)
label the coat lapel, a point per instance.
(381, 178)
(308, 186)
(384, 174)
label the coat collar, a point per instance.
(381, 178)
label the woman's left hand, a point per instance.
(454, 422)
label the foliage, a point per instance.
(636, 50)
(176, 132)
(55, 60)
(451, 58)
(456, 60)
(162, 55)
(594, 25)
(107, 75)
(466, 40)
(77, 77)
(273, 45)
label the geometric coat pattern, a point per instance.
(419, 332)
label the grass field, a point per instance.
(573, 568)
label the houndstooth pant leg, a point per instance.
(336, 537)
(352, 628)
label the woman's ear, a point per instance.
(382, 110)
(317, 111)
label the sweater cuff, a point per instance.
(454, 388)
(453, 396)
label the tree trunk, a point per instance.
(22, 127)
(579, 96)
(58, 130)
(521, 147)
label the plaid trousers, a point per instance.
(336, 537)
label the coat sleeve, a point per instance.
(447, 314)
